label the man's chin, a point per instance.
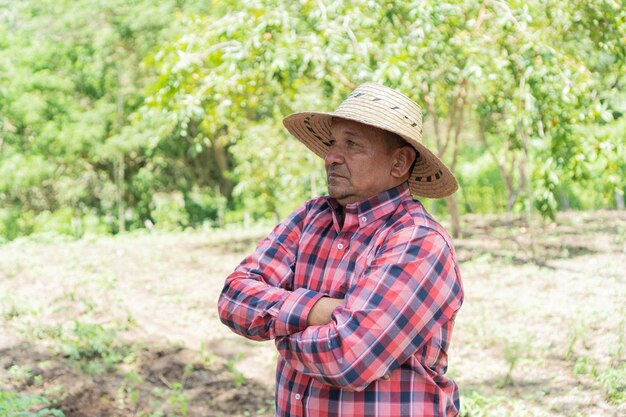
(338, 193)
(334, 192)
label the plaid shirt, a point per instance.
(396, 269)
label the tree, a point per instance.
(67, 92)
(171, 113)
(512, 67)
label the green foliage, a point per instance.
(18, 405)
(169, 115)
(281, 184)
(175, 401)
(178, 399)
(238, 378)
(128, 392)
(64, 107)
(93, 347)
(513, 352)
(87, 340)
(476, 405)
(481, 187)
(611, 376)
(614, 382)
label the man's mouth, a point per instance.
(334, 174)
(335, 177)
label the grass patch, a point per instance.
(614, 382)
(477, 404)
(548, 340)
(93, 347)
(17, 405)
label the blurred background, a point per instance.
(118, 115)
(142, 156)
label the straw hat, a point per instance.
(384, 108)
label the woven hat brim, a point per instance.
(429, 178)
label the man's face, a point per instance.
(358, 163)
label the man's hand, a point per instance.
(322, 309)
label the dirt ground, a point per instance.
(127, 325)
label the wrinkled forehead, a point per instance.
(354, 128)
(339, 121)
(338, 124)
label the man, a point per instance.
(358, 289)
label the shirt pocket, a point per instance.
(357, 268)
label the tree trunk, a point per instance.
(525, 173)
(506, 174)
(121, 224)
(619, 199)
(453, 209)
(221, 210)
(120, 162)
(221, 160)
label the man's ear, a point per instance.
(402, 161)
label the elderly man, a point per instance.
(360, 288)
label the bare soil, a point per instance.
(127, 325)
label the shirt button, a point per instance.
(298, 396)
(363, 219)
(340, 246)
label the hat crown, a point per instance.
(383, 107)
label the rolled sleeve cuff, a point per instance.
(294, 311)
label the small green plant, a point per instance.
(107, 281)
(208, 358)
(11, 307)
(155, 407)
(178, 399)
(614, 382)
(20, 375)
(474, 404)
(187, 372)
(514, 351)
(582, 366)
(577, 333)
(128, 393)
(88, 340)
(618, 354)
(237, 377)
(92, 346)
(172, 402)
(17, 405)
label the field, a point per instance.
(127, 325)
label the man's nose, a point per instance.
(334, 156)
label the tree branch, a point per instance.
(344, 80)
(459, 125)
(431, 110)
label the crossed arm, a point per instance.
(321, 312)
(406, 295)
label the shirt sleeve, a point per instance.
(257, 300)
(407, 294)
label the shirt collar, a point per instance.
(376, 207)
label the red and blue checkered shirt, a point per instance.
(396, 268)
